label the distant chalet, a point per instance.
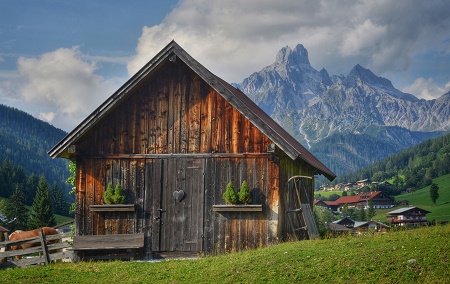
(173, 137)
(410, 216)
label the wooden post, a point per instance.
(44, 247)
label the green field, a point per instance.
(411, 256)
(328, 193)
(421, 198)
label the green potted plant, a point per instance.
(244, 193)
(114, 195)
(229, 195)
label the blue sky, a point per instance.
(60, 59)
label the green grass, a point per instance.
(421, 198)
(412, 256)
(328, 193)
(62, 219)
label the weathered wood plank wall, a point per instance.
(174, 132)
(175, 111)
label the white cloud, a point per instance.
(364, 38)
(47, 116)
(426, 89)
(236, 38)
(61, 87)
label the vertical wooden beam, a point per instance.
(171, 115)
(206, 118)
(184, 114)
(235, 131)
(45, 253)
(176, 109)
(143, 120)
(228, 130)
(194, 114)
(162, 116)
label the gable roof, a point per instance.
(362, 224)
(331, 203)
(357, 198)
(346, 219)
(404, 210)
(235, 97)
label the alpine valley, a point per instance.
(348, 122)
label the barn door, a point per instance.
(179, 206)
(299, 216)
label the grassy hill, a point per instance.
(395, 257)
(421, 198)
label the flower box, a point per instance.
(237, 208)
(112, 208)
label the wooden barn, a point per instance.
(173, 136)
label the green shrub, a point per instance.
(244, 193)
(119, 196)
(114, 195)
(229, 195)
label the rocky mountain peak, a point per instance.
(299, 55)
(360, 73)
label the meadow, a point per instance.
(411, 256)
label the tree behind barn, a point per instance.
(41, 214)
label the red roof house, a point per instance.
(379, 198)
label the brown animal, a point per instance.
(22, 235)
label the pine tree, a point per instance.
(361, 214)
(59, 202)
(16, 213)
(41, 214)
(7, 186)
(31, 188)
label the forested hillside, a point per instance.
(411, 168)
(348, 152)
(24, 142)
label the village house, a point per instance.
(380, 200)
(362, 226)
(350, 186)
(332, 205)
(364, 182)
(409, 216)
(320, 203)
(173, 136)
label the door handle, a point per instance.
(156, 218)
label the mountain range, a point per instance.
(350, 121)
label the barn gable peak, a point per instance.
(173, 52)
